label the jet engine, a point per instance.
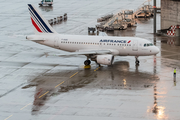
(105, 59)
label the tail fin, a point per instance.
(39, 22)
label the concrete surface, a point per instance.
(36, 87)
(170, 13)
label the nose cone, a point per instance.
(155, 50)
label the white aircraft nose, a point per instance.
(155, 50)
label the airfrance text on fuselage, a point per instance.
(114, 41)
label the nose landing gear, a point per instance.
(137, 61)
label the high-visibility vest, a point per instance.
(174, 70)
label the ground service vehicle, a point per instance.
(46, 2)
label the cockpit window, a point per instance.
(148, 44)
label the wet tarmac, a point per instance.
(36, 87)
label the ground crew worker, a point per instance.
(174, 72)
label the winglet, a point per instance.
(39, 22)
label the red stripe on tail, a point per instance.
(35, 25)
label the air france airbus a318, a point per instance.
(100, 49)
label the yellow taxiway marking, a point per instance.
(44, 94)
(8, 117)
(59, 84)
(96, 69)
(73, 75)
(25, 106)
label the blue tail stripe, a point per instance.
(37, 21)
(40, 18)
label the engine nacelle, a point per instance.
(105, 59)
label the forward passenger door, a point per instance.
(135, 45)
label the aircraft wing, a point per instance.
(82, 52)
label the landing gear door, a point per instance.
(135, 45)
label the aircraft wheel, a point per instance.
(87, 62)
(137, 62)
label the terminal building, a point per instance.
(170, 17)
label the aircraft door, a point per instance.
(56, 42)
(135, 45)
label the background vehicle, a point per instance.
(46, 2)
(129, 17)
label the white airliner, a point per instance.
(100, 49)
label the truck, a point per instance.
(116, 22)
(129, 17)
(46, 2)
(144, 11)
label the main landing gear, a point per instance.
(137, 61)
(87, 62)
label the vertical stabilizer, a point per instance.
(39, 22)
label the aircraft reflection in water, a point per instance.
(120, 77)
(117, 76)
